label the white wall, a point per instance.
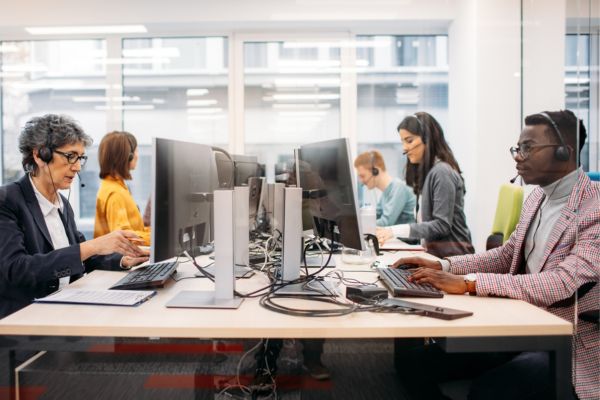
(484, 99)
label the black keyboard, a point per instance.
(397, 282)
(150, 276)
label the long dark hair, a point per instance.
(430, 131)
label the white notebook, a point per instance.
(99, 297)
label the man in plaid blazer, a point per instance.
(551, 260)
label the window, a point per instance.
(54, 76)
(291, 96)
(397, 76)
(577, 88)
(175, 88)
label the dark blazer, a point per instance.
(29, 265)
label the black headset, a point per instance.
(422, 132)
(132, 150)
(374, 169)
(561, 153)
(45, 153)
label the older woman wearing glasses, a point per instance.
(41, 249)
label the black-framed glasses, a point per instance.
(524, 150)
(72, 158)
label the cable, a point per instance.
(268, 302)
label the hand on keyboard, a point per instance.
(420, 261)
(404, 266)
(446, 281)
(129, 262)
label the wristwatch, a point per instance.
(470, 281)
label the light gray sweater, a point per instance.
(444, 225)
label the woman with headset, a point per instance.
(434, 175)
(115, 207)
(41, 249)
(397, 202)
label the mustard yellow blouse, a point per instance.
(116, 210)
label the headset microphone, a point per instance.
(80, 181)
(405, 152)
(513, 180)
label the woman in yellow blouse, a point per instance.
(115, 207)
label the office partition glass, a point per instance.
(175, 88)
(291, 96)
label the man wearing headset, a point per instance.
(41, 249)
(397, 203)
(551, 260)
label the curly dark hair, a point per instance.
(51, 131)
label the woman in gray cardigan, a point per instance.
(434, 175)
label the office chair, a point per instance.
(508, 210)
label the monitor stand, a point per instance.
(291, 258)
(240, 272)
(312, 288)
(223, 295)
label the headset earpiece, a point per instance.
(131, 148)
(45, 154)
(374, 169)
(561, 153)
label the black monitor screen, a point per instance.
(183, 180)
(326, 180)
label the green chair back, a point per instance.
(508, 210)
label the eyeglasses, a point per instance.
(72, 158)
(524, 150)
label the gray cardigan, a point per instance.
(444, 225)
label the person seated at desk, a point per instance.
(41, 249)
(115, 207)
(551, 260)
(397, 203)
(434, 175)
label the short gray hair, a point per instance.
(51, 131)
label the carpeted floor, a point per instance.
(360, 369)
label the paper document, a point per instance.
(397, 244)
(100, 297)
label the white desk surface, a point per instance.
(492, 316)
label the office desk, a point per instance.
(497, 324)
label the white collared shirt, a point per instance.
(58, 235)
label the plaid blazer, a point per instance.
(571, 263)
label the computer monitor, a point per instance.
(307, 224)
(327, 182)
(245, 167)
(225, 168)
(183, 181)
(255, 186)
